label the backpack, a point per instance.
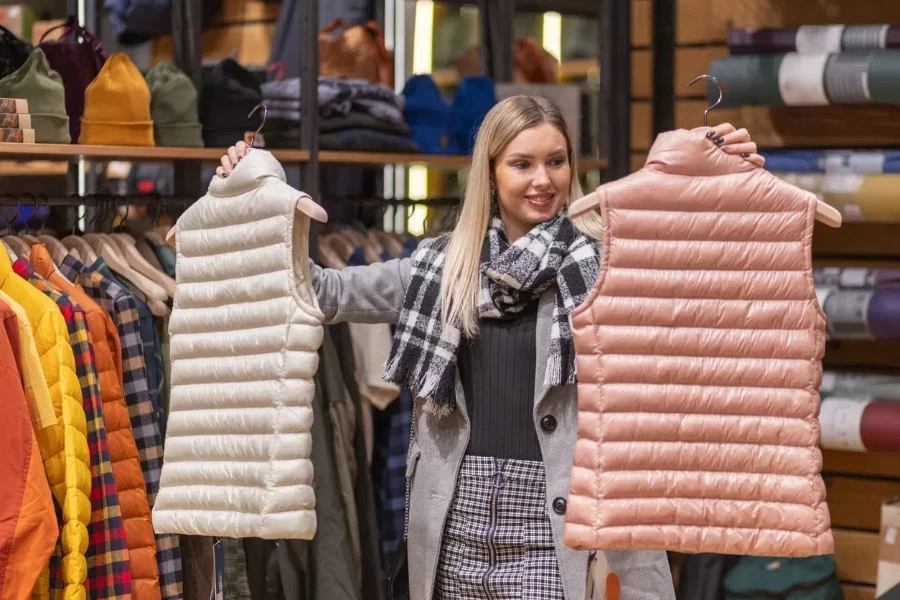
(772, 578)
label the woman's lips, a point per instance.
(540, 200)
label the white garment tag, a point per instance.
(801, 79)
(819, 39)
(840, 419)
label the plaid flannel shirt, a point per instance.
(121, 306)
(109, 569)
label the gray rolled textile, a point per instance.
(846, 77)
(796, 79)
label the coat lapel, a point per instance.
(542, 339)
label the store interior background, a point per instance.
(429, 37)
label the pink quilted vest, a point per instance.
(699, 362)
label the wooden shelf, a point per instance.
(330, 157)
(66, 152)
(144, 153)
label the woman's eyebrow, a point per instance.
(525, 155)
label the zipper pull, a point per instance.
(498, 476)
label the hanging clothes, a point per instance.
(699, 353)
(64, 449)
(149, 339)
(121, 306)
(28, 526)
(43, 414)
(107, 553)
(109, 578)
(244, 334)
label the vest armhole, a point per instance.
(303, 291)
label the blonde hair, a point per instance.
(461, 279)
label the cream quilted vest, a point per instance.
(245, 331)
(699, 362)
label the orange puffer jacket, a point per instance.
(699, 362)
(126, 465)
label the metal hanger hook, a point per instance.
(717, 102)
(261, 125)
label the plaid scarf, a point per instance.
(424, 351)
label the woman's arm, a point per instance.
(368, 294)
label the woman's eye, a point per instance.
(521, 165)
(558, 162)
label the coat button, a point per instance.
(559, 506)
(548, 423)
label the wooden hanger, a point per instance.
(825, 213)
(133, 257)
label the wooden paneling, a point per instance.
(689, 62)
(862, 354)
(779, 13)
(878, 464)
(244, 11)
(856, 555)
(694, 24)
(855, 502)
(705, 21)
(859, 592)
(250, 45)
(782, 127)
(857, 240)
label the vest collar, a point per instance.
(690, 152)
(249, 174)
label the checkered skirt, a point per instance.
(498, 543)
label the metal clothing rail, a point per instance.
(41, 200)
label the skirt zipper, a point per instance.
(496, 485)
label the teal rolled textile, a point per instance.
(795, 79)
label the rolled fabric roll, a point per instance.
(861, 314)
(857, 162)
(856, 277)
(843, 384)
(798, 79)
(813, 38)
(860, 424)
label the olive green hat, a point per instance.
(36, 82)
(173, 106)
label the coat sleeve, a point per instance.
(76, 505)
(367, 294)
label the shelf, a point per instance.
(64, 152)
(145, 153)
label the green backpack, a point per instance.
(773, 578)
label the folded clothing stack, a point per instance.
(353, 115)
(809, 66)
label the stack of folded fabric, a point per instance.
(353, 115)
(810, 66)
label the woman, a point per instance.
(483, 342)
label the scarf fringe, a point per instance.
(440, 400)
(553, 373)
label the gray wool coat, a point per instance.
(375, 294)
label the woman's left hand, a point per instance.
(736, 141)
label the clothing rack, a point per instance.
(41, 200)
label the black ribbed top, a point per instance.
(497, 374)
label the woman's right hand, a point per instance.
(232, 158)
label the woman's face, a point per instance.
(532, 177)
